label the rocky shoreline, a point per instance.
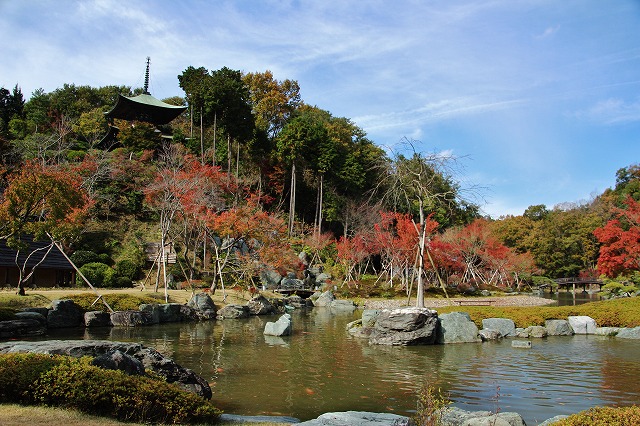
(383, 322)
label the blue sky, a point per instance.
(539, 99)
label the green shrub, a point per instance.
(601, 416)
(91, 389)
(74, 383)
(18, 372)
(82, 257)
(99, 274)
(618, 288)
(122, 282)
(118, 302)
(127, 269)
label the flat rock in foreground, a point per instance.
(150, 358)
(359, 418)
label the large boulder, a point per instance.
(64, 314)
(406, 326)
(233, 312)
(323, 278)
(629, 333)
(152, 310)
(369, 317)
(260, 305)
(118, 360)
(129, 318)
(282, 327)
(457, 327)
(21, 328)
(553, 420)
(97, 319)
(270, 278)
(607, 331)
(505, 326)
(359, 418)
(203, 306)
(537, 331)
(558, 327)
(291, 283)
(150, 358)
(487, 335)
(42, 311)
(324, 299)
(343, 305)
(170, 312)
(32, 315)
(454, 416)
(582, 324)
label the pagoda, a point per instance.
(145, 107)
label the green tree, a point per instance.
(37, 109)
(293, 146)
(272, 101)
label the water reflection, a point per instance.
(320, 368)
(569, 298)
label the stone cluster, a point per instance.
(414, 326)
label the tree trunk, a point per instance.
(292, 199)
(215, 122)
(201, 138)
(229, 155)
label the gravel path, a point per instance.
(519, 300)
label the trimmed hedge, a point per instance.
(118, 302)
(609, 313)
(601, 416)
(75, 383)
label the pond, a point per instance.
(320, 368)
(566, 298)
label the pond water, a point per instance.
(320, 368)
(566, 298)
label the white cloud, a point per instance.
(548, 32)
(613, 111)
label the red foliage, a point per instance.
(620, 241)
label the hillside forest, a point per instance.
(251, 180)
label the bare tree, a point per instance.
(420, 184)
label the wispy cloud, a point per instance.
(436, 111)
(613, 111)
(548, 32)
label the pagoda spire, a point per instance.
(146, 77)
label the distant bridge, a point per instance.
(583, 282)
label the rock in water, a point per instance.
(406, 326)
(582, 324)
(203, 306)
(558, 327)
(457, 327)
(64, 313)
(506, 327)
(359, 418)
(324, 299)
(259, 305)
(282, 327)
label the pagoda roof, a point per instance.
(145, 108)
